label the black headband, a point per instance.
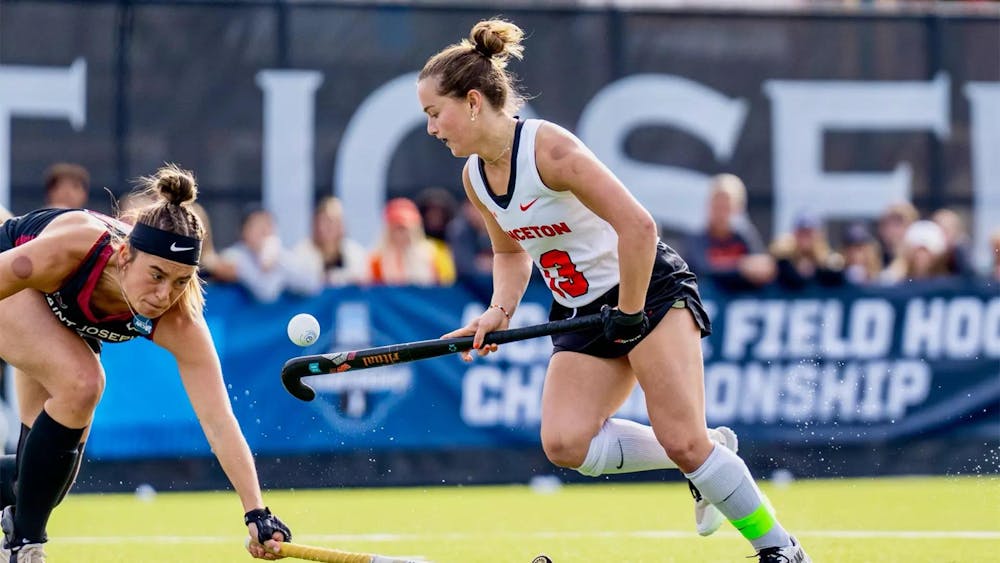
(174, 247)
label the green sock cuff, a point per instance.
(755, 524)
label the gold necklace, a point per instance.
(495, 160)
(510, 145)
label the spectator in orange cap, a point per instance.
(404, 255)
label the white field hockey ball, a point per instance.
(303, 329)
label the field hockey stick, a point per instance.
(326, 555)
(303, 366)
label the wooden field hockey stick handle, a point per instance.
(313, 553)
(327, 555)
(303, 366)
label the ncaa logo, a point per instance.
(360, 400)
(355, 401)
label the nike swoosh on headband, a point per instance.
(175, 248)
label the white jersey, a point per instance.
(575, 250)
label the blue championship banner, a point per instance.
(843, 366)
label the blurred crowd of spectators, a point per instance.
(899, 247)
(419, 243)
(405, 254)
(433, 239)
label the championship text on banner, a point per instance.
(849, 366)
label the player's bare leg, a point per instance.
(581, 394)
(58, 395)
(669, 366)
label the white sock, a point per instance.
(623, 446)
(726, 482)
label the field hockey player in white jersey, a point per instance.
(546, 199)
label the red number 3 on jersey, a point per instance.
(562, 275)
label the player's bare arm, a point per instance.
(511, 273)
(564, 163)
(511, 264)
(201, 373)
(190, 342)
(46, 261)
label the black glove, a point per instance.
(267, 524)
(622, 328)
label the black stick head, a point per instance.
(293, 384)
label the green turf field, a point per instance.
(907, 520)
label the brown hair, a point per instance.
(785, 246)
(479, 62)
(172, 191)
(66, 171)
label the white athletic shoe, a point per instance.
(707, 517)
(26, 553)
(790, 554)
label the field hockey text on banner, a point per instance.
(843, 366)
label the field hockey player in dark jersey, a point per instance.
(71, 280)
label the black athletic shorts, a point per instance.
(671, 286)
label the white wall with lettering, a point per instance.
(39, 92)
(289, 141)
(674, 196)
(371, 139)
(802, 112)
(985, 145)
(372, 136)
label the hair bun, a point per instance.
(176, 185)
(496, 38)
